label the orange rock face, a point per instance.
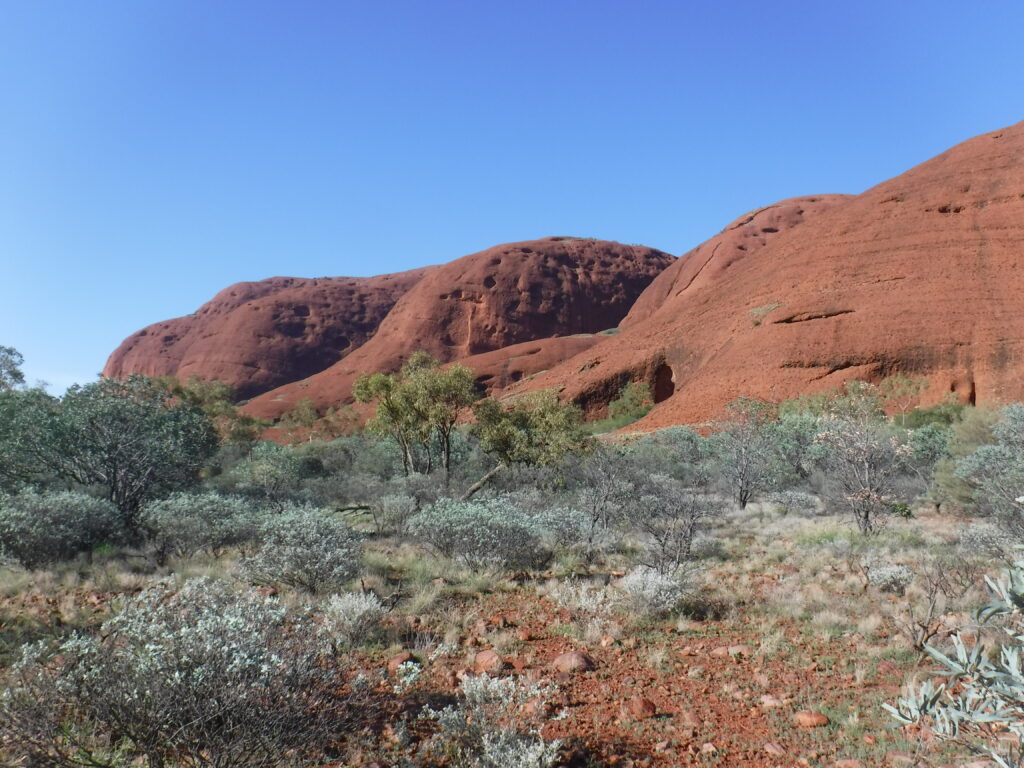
(257, 336)
(486, 301)
(920, 275)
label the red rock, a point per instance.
(808, 719)
(505, 295)
(398, 659)
(573, 661)
(257, 336)
(772, 748)
(918, 275)
(488, 661)
(641, 708)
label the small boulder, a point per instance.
(807, 719)
(398, 660)
(573, 661)
(488, 662)
(772, 748)
(641, 708)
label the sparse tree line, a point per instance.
(170, 472)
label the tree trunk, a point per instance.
(482, 482)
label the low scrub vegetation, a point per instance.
(174, 591)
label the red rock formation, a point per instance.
(922, 274)
(257, 336)
(485, 301)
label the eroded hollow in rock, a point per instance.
(664, 386)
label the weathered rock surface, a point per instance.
(920, 275)
(505, 295)
(260, 335)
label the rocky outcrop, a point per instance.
(486, 301)
(260, 335)
(920, 275)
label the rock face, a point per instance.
(257, 336)
(486, 301)
(921, 275)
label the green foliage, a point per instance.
(127, 437)
(944, 414)
(899, 392)
(421, 401)
(633, 403)
(38, 529)
(996, 471)
(483, 534)
(305, 548)
(974, 429)
(536, 429)
(747, 448)
(977, 693)
(201, 677)
(11, 376)
(216, 399)
(25, 443)
(186, 523)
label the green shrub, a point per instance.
(196, 677)
(482, 534)
(304, 547)
(37, 529)
(186, 523)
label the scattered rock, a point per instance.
(772, 748)
(642, 708)
(573, 661)
(488, 661)
(398, 659)
(807, 719)
(770, 702)
(899, 759)
(849, 763)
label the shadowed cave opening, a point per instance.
(664, 386)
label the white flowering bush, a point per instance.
(583, 599)
(37, 529)
(199, 676)
(978, 693)
(653, 592)
(489, 726)
(304, 547)
(889, 577)
(984, 540)
(482, 534)
(186, 523)
(350, 619)
(866, 464)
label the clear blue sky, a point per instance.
(152, 152)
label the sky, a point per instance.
(153, 152)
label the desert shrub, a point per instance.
(669, 517)
(478, 730)
(481, 534)
(979, 693)
(973, 429)
(632, 404)
(866, 463)
(350, 619)
(392, 513)
(655, 593)
(748, 450)
(889, 577)
(794, 502)
(996, 471)
(583, 599)
(304, 547)
(986, 541)
(186, 523)
(37, 529)
(196, 677)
